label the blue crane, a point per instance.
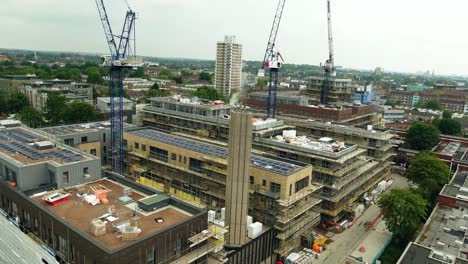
(119, 59)
(271, 61)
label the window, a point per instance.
(137, 146)
(251, 180)
(290, 189)
(69, 141)
(104, 137)
(173, 156)
(93, 152)
(180, 158)
(65, 177)
(302, 183)
(84, 139)
(275, 187)
(264, 183)
(158, 153)
(143, 147)
(185, 159)
(85, 171)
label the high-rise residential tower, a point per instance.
(228, 66)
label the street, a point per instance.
(343, 244)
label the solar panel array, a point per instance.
(275, 166)
(17, 141)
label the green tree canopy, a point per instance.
(157, 93)
(447, 114)
(17, 102)
(205, 76)
(208, 93)
(138, 73)
(31, 117)
(186, 73)
(430, 173)
(450, 126)
(403, 212)
(79, 112)
(393, 103)
(94, 75)
(422, 136)
(166, 74)
(155, 86)
(54, 108)
(432, 104)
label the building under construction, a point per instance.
(202, 118)
(378, 142)
(340, 90)
(281, 193)
(344, 169)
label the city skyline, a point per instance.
(422, 36)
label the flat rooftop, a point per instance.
(445, 234)
(28, 147)
(200, 103)
(78, 128)
(276, 166)
(79, 214)
(458, 187)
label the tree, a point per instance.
(450, 126)
(31, 117)
(205, 76)
(422, 136)
(429, 173)
(138, 73)
(166, 74)
(54, 108)
(155, 86)
(186, 73)
(393, 103)
(79, 112)
(432, 104)
(94, 75)
(157, 93)
(403, 212)
(447, 114)
(208, 93)
(17, 102)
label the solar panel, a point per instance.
(279, 167)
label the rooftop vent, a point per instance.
(42, 145)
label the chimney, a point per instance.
(237, 182)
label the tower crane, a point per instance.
(273, 61)
(329, 66)
(118, 60)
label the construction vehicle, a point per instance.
(329, 66)
(120, 57)
(273, 61)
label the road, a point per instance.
(343, 244)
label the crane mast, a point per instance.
(329, 66)
(117, 62)
(271, 60)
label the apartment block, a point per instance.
(37, 92)
(341, 90)
(281, 192)
(228, 69)
(344, 169)
(30, 160)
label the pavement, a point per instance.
(16, 247)
(345, 243)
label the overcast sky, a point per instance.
(398, 35)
